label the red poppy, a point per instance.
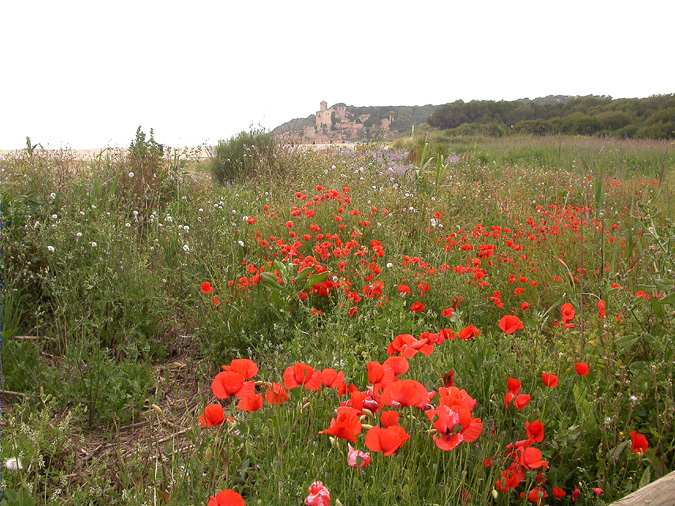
(250, 402)
(330, 378)
(535, 431)
(567, 312)
(213, 416)
(602, 308)
(300, 374)
(345, 425)
(403, 290)
(276, 394)
(386, 440)
(407, 346)
(405, 393)
(417, 307)
(244, 366)
(227, 497)
(468, 333)
(226, 384)
(510, 324)
(448, 312)
(639, 443)
(536, 495)
(399, 365)
(581, 368)
(521, 401)
(558, 493)
(206, 287)
(549, 379)
(513, 385)
(388, 418)
(531, 458)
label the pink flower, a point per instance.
(357, 458)
(318, 495)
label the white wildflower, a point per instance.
(13, 464)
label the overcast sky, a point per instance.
(86, 73)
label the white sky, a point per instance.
(87, 73)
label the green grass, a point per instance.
(113, 387)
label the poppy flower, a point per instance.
(558, 493)
(510, 324)
(206, 287)
(513, 385)
(226, 384)
(318, 495)
(549, 379)
(386, 440)
(244, 366)
(357, 458)
(405, 393)
(602, 313)
(250, 402)
(388, 418)
(417, 307)
(536, 495)
(345, 425)
(567, 312)
(398, 365)
(300, 374)
(403, 290)
(446, 421)
(521, 401)
(227, 497)
(276, 394)
(531, 458)
(581, 368)
(407, 346)
(448, 312)
(377, 373)
(535, 431)
(330, 378)
(468, 333)
(597, 491)
(213, 416)
(639, 443)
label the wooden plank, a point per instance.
(658, 493)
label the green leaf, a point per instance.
(646, 477)
(616, 452)
(316, 278)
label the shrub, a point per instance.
(245, 155)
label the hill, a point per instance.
(651, 117)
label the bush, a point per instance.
(245, 155)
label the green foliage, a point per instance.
(652, 117)
(246, 155)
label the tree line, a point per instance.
(652, 117)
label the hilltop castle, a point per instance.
(339, 124)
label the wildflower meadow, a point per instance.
(478, 322)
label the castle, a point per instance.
(339, 124)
